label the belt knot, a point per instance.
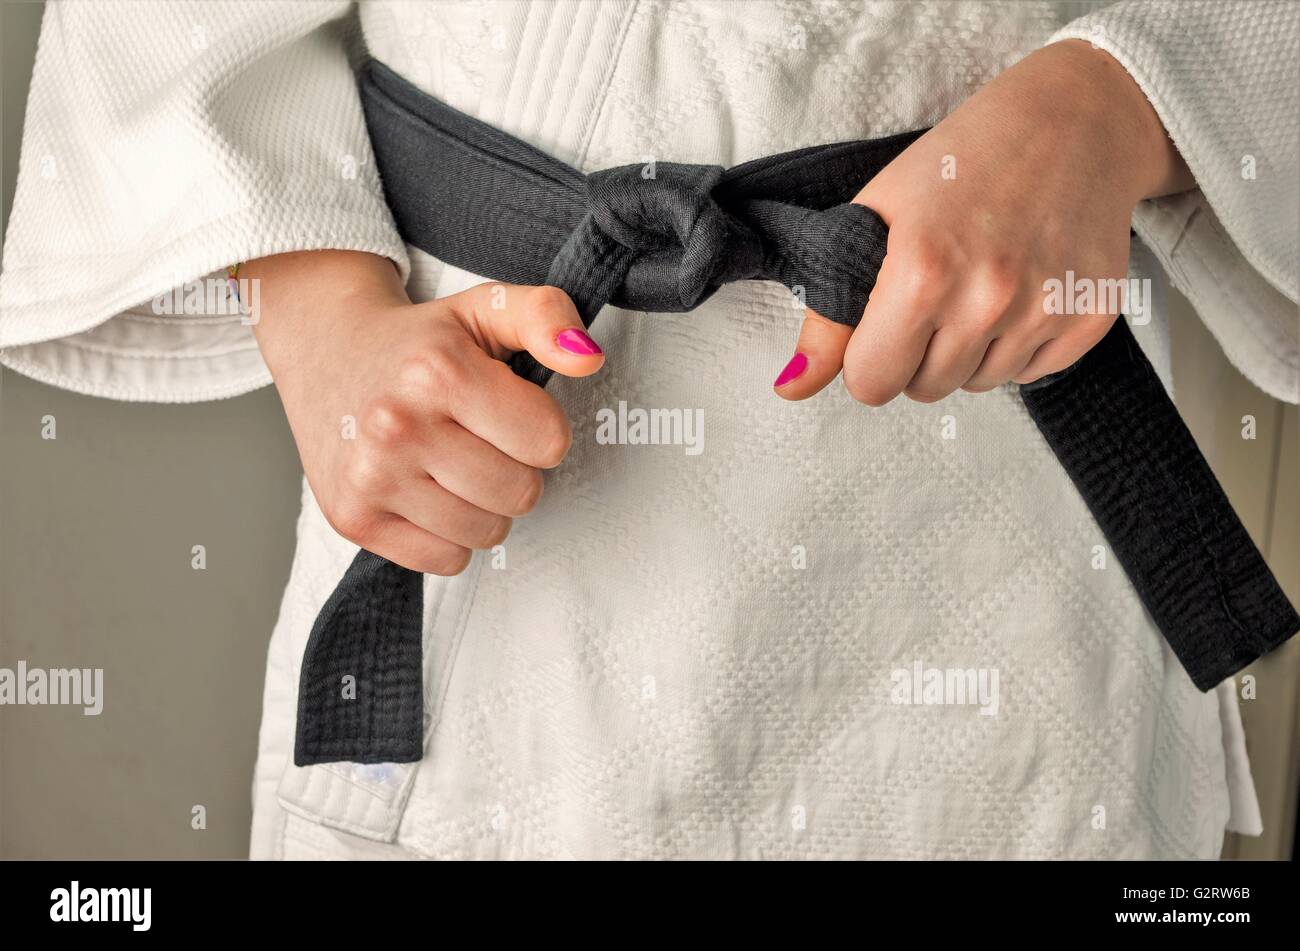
(658, 231)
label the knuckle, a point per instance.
(432, 374)
(1041, 321)
(497, 532)
(1058, 359)
(986, 318)
(554, 437)
(447, 369)
(351, 520)
(551, 299)
(923, 394)
(365, 475)
(924, 275)
(416, 374)
(997, 281)
(868, 391)
(1071, 352)
(529, 495)
(449, 562)
(386, 423)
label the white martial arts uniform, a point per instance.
(687, 655)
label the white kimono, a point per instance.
(678, 654)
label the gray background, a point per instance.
(96, 530)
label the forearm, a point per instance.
(1110, 93)
(295, 286)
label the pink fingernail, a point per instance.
(575, 341)
(794, 369)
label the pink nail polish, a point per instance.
(575, 341)
(793, 370)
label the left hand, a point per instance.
(1035, 175)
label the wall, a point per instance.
(96, 532)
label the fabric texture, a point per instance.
(1113, 427)
(648, 675)
(660, 237)
(1222, 78)
(163, 142)
(362, 686)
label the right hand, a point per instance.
(449, 443)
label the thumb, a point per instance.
(508, 318)
(818, 358)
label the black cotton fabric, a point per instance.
(659, 238)
(1114, 429)
(369, 631)
(664, 237)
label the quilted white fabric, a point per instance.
(1223, 79)
(683, 655)
(162, 142)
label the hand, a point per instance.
(1035, 175)
(448, 443)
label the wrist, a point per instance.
(1126, 123)
(312, 306)
(312, 284)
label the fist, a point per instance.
(418, 441)
(1029, 184)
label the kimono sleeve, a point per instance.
(164, 141)
(1224, 79)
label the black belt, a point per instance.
(663, 239)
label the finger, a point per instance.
(952, 355)
(519, 418)
(541, 320)
(883, 355)
(901, 316)
(479, 472)
(1064, 351)
(818, 357)
(425, 503)
(984, 300)
(412, 547)
(1005, 357)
